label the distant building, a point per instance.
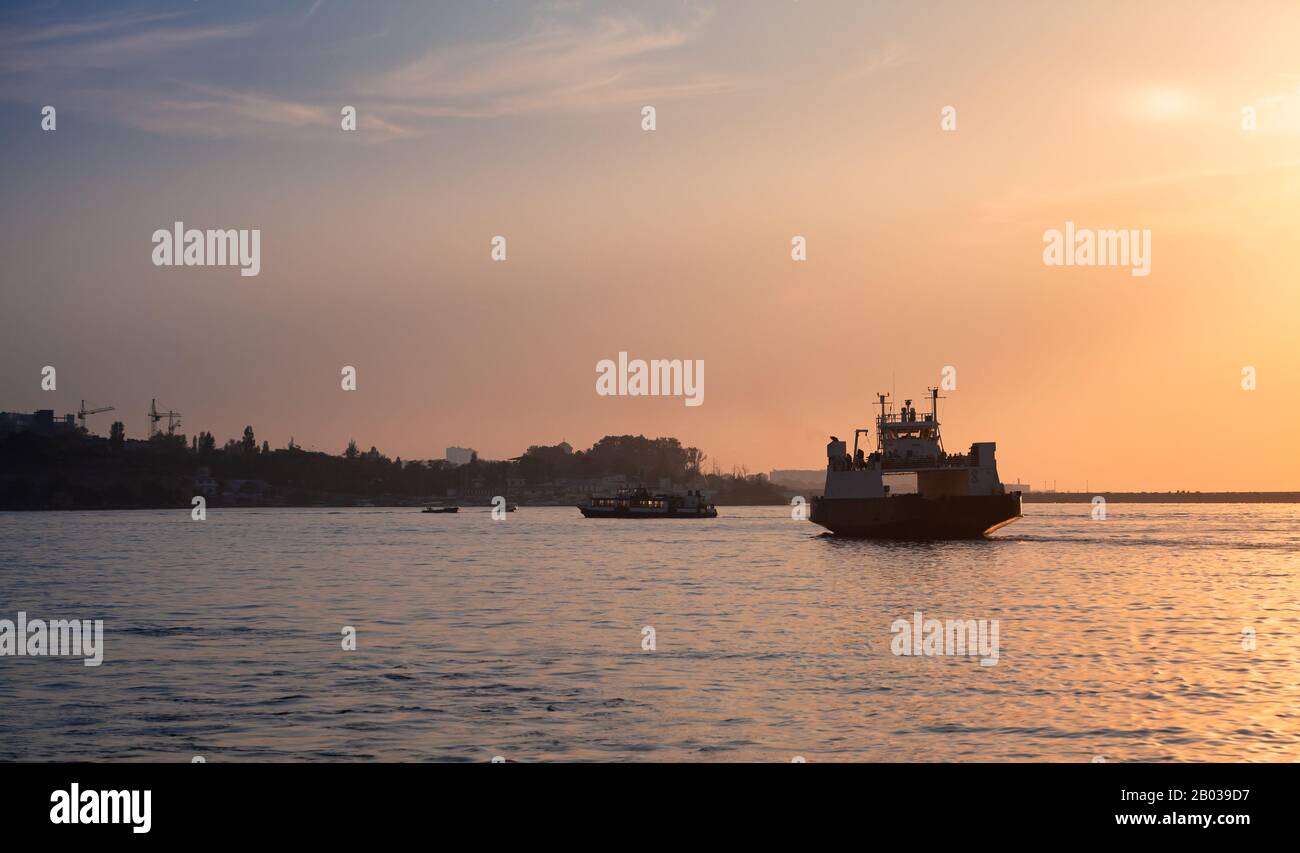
(204, 484)
(245, 491)
(799, 479)
(461, 455)
(565, 447)
(41, 422)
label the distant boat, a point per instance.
(639, 503)
(440, 509)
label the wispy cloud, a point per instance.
(891, 56)
(110, 41)
(567, 60)
(70, 59)
(188, 109)
(554, 67)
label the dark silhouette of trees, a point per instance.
(636, 457)
(81, 471)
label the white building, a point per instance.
(204, 484)
(798, 479)
(461, 455)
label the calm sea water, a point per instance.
(522, 638)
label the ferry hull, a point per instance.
(916, 517)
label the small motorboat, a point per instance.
(440, 509)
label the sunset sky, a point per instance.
(774, 119)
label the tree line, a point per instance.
(81, 471)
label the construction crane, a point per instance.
(81, 414)
(173, 418)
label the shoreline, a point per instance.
(1164, 497)
(1030, 498)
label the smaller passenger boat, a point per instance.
(639, 503)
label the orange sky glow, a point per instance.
(924, 246)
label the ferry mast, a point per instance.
(934, 416)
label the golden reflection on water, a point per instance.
(1121, 638)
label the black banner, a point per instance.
(143, 802)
